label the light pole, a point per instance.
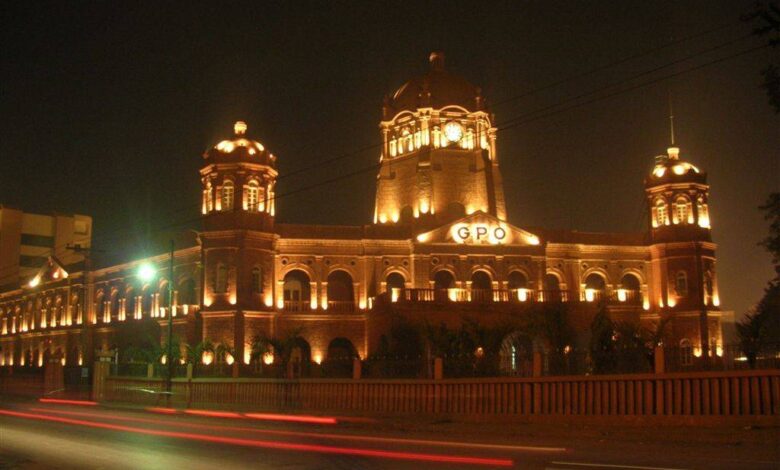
(147, 272)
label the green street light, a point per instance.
(146, 272)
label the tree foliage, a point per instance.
(759, 330)
(766, 20)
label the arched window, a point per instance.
(208, 198)
(443, 280)
(129, 302)
(594, 287)
(661, 215)
(517, 280)
(481, 287)
(681, 283)
(686, 352)
(630, 282)
(99, 304)
(681, 210)
(253, 196)
(228, 191)
(395, 281)
(340, 291)
(296, 290)
(220, 279)
(702, 213)
(257, 280)
(187, 294)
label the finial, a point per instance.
(437, 60)
(239, 128)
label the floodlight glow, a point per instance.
(146, 272)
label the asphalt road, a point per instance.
(43, 436)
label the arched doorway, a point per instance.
(395, 281)
(517, 280)
(442, 281)
(516, 355)
(481, 287)
(630, 289)
(341, 297)
(394, 284)
(595, 285)
(300, 357)
(296, 291)
(341, 353)
(552, 288)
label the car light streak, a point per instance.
(165, 411)
(213, 414)
(316, 435)
(260, 416)
(68, 402)
(270, 444)
(291, 418)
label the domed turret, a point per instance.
(677, 194)
(240, 148)
(238, 183)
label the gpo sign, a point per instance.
(479, 233)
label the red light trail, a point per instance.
(270, 444)
(68, 402)
(316, 435)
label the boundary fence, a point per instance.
(732, 393)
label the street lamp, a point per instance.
(147, 272)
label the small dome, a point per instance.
(240, 146)
(436, 89)
(670, 167)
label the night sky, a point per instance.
(107, 108)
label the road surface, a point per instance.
(55, 435)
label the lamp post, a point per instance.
(147, 272)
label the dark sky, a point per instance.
(107, 108)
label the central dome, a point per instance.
(436, 89)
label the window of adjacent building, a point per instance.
(228, 191)
(37, 240)
(27, 261)
(220, 279)
(257, 280)
(253, 196)
(681, 284)
(81, 227)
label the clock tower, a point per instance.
(438, 159)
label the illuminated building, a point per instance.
(440, 249)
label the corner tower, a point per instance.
(682, 253)
(439, 159)
(237, 241)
